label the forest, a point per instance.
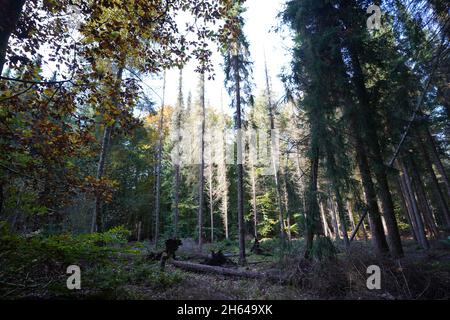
(152, 150)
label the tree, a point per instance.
(236, 56)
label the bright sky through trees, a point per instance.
(262, 37)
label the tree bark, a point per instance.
(312, 212)
(240, 167)
(9, 16)
(201, 182)
(159, 164)
(273, 156)
(378, 165)
(97, 223)
(437, 161)
(177, 172)
(376, 225)
(189, 266)
(422, 200)
(439, 196)
(416, 218)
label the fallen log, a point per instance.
(189, 266)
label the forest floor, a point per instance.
(35, 268)
(419, 275)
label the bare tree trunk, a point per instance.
(406, 207)
(177, 171)
(273, 152)
(222, 173)
(97, 225)
(9, 16)
(422, 201)
(158, 164)
(211, 201)
(439, 196)
(286, 195)
(326, 227)
(416, 218)
(437, 160)
(240, 167)
(201, 182)
(376, 226)
(334, 219)
(97, 216)
(254, 204)
(139, 228)
(224, 187)
(312, 213)
(351, 216)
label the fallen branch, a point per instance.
(189, 266)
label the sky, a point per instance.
(260, 21)
(265, 44)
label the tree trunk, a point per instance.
(437, 160)
(97, 225)
(326, 227)
(439, 196)
(422, 201)
(176, 193)
(351, 216)
(189, 266)
(378, 165)
(273, 153)
(312, 212)
(406, 208)
(240, 167)
(416, 218)
(254, 204)
(286, 196)
(97, 216)
(9, 16)
(334, 219)
(376, 225)
(201, 181)
(210, 186)
(159, 163)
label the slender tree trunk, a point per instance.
(422, 201)
(312, 213)
(177, 171)
(334, 218)
(159, 164)
(9, 16)
(437, 160)
(274, 154)
(210, 186)
(286, 195)
(222, 172)
(97, 216)
(254, 204)
(326, 227)
(240, 167)
(376, 225)
(401, 190)
(416, 218)
(439, 196)
(224, 186)
(201, 182)
(351, 216)
(97, 223)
